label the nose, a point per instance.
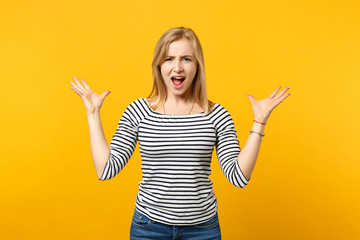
(178, 66)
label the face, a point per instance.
(179, 68)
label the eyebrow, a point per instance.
(180, 56)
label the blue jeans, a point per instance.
(142, 228)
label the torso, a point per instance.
(176, 153)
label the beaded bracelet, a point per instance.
(261, 134)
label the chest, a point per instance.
(180, 136)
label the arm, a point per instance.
(248, 155)
(123, 143)
(262, 109)
(99, 147)
(227, 147)
(108, 160)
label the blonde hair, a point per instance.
(198, 90)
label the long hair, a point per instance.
(198, 88)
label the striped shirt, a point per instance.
(176, 155)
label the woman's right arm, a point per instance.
(100, 149)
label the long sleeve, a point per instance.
(227, 147)
(122, 144)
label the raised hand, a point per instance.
(92, 101)
(263, 108)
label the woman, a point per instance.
(177, 128)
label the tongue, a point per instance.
(177, 82)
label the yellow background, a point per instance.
(306, 181)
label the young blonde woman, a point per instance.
(177, 128)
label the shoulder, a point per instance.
(137, 109)
(220, 116)
(137, 105)
(218, 110)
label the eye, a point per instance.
(167, 59)
(187, 59)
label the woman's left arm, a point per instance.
(262, 109)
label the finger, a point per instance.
(78, 83)
(104, 94)
(273, 94)
(76, 87)
(76, 91)
(281, 93)
(85, 84)
(251, 98)
(278, 101)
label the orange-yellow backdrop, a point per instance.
(306, 181)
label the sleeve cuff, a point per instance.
(243, 179)
(104, 171)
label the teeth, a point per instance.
(179, 78)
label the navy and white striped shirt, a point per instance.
(176, 155)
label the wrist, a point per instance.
(259, 133)
(93, 113)
(261, 121)
(258, 127)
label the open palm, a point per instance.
(263, 108)
(92, 101)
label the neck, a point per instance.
(178, 105)
(178, 100)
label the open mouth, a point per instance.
(177, 81)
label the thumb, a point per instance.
(251, 98)
(104, 94)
